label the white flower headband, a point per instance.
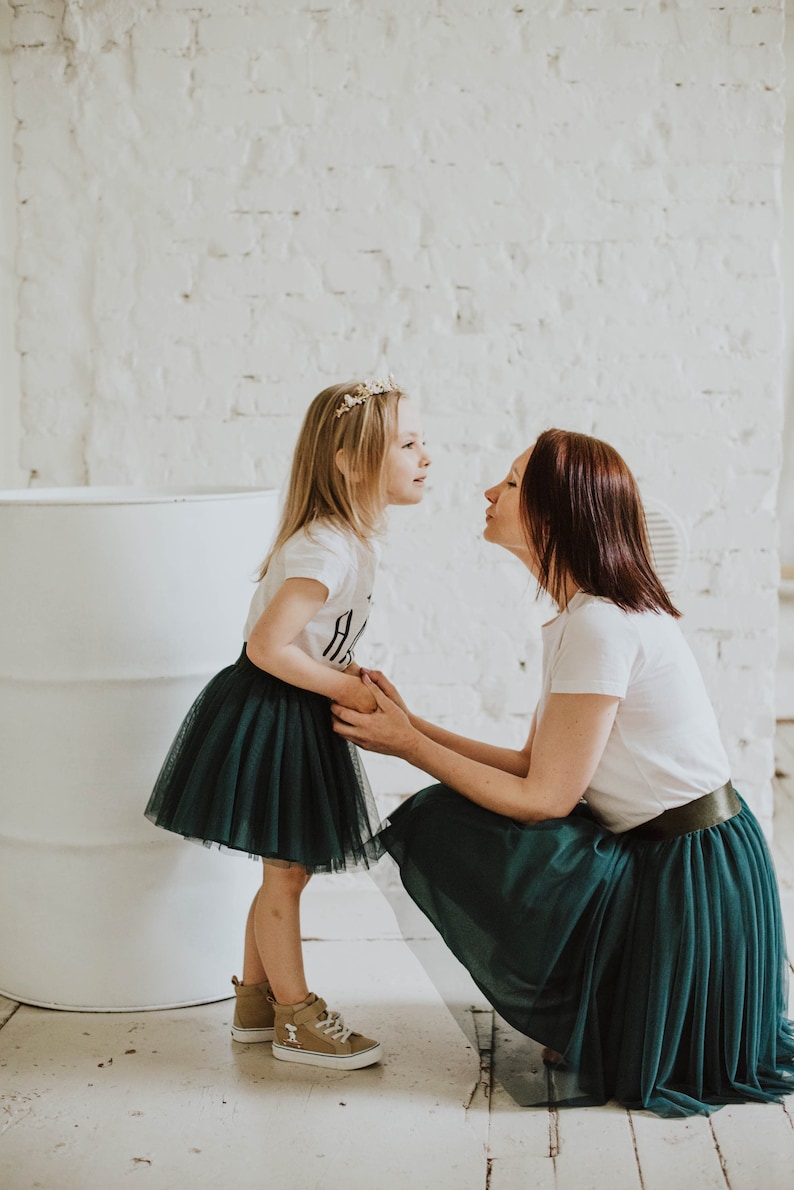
(362, 392)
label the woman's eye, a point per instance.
(511, 484)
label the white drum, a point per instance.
(116, 607)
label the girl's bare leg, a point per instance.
(274, 931)
(253, 971)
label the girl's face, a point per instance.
(406, 459)
(502, 517)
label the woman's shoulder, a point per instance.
(593, 610)
(592, 617)
(597, 609)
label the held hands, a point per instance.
(387, 730)
(387, 687)
(357, 696)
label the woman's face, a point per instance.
(502, 517)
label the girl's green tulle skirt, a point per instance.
(658, 970)
(256, 768)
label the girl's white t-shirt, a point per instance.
(664, 749)
(343, 564)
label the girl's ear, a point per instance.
(341, 462)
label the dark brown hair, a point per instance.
(583, 517)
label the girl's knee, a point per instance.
(289, 880)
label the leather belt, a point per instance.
(710, 810)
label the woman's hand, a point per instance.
(389, 689)
(387, 730)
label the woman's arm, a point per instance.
(270, 646)
(508, 760)
(569, 740)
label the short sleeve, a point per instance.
(324, 556)
(597, 652)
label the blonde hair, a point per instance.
(355, 498)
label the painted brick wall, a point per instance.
(534, 213)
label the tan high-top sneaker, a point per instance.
(253, 1012)
(309, 1033)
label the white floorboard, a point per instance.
(90, 1099)
(677, 1153)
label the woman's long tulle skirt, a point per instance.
(658, 970)
(256, 768)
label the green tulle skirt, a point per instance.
(658, 970)
(256, 768)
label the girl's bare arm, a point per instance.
(270, 646)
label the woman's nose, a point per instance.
(491, 495)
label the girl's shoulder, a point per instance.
(320, 532)
(323, 537)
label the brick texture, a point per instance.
(533, 213)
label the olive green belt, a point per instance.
(698, 815)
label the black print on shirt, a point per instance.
(341, 633)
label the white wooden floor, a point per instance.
(166, 1101)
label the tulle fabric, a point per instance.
(657, 970)
(256, 768)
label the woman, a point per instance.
(639, 935)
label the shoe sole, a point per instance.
(330, 1061)
(251, 1036)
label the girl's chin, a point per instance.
(406, 499)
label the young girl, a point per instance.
(256, 766)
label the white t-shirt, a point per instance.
(343, 564)
(664, 749)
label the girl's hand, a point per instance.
(357, 697)
(388, 730)
(389, 689)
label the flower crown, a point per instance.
(362, 392)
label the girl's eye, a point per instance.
(409, 446)
(511, 484)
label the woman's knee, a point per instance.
(435, 798)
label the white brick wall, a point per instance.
(533, 213)
(10, 473)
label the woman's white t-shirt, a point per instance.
(664, 749)
(343, 564)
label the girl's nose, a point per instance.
(491, 494)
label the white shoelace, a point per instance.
(334, 1025)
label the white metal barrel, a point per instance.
(116, 606)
